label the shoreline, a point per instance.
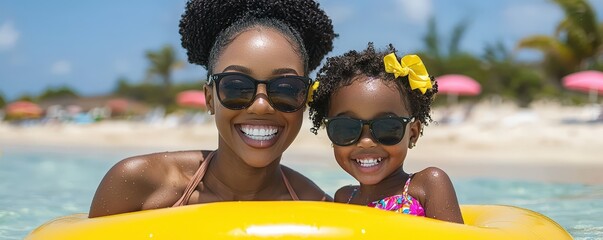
(496, 142)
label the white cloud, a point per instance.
(8, 36)
(61, 68)
(417, 11)
(520, 20)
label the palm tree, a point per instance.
(162, 63)
(2, 101)
(60, 92)
(445, 57)
(576, 44)
(512, 79)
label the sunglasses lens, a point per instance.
(388, 131)
(287, 94)
(344, 131)
(236, 91)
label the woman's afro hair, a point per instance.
(343, 70)
(204, 20)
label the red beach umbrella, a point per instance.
(191, 98)
(118, 105)
(23, 109)
(585, 81)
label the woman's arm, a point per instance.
(435, 191)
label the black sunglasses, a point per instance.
(345, 131)
(237, 91)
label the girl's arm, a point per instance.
(436, 193)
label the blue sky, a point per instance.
(89, 45)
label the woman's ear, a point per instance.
(209, 97)
(416, 129)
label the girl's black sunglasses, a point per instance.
(345, 131)
(237, 91)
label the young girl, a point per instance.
(374, 105)
(258, 55)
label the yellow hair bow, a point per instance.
(312, 90)
(411, 66)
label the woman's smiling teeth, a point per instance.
(259, 133)
(368, 162)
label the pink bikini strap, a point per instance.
(405, 193)
(288, 185)
(192, 184)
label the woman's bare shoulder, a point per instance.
(133, 181)
(157, 165)
(305, 188)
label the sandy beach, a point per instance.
(548, 142)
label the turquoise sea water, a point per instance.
(37, 185)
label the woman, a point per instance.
(258, 55)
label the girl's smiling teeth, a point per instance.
(368, 162)
(259, 132)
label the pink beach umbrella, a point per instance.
(585, 81)
(455, 85)
(191, 98)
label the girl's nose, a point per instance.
(261, 104)
(366, 138)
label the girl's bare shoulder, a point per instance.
(429, 181)
(430, 176)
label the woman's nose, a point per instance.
(261, 104)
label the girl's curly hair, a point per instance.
(204, 21)
(343, 70)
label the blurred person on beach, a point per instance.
(374, 107)
(258, 54)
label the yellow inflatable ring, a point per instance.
(301, 220)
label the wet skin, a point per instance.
(245, 167)
(379, 168)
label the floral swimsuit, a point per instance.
(401, 203)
